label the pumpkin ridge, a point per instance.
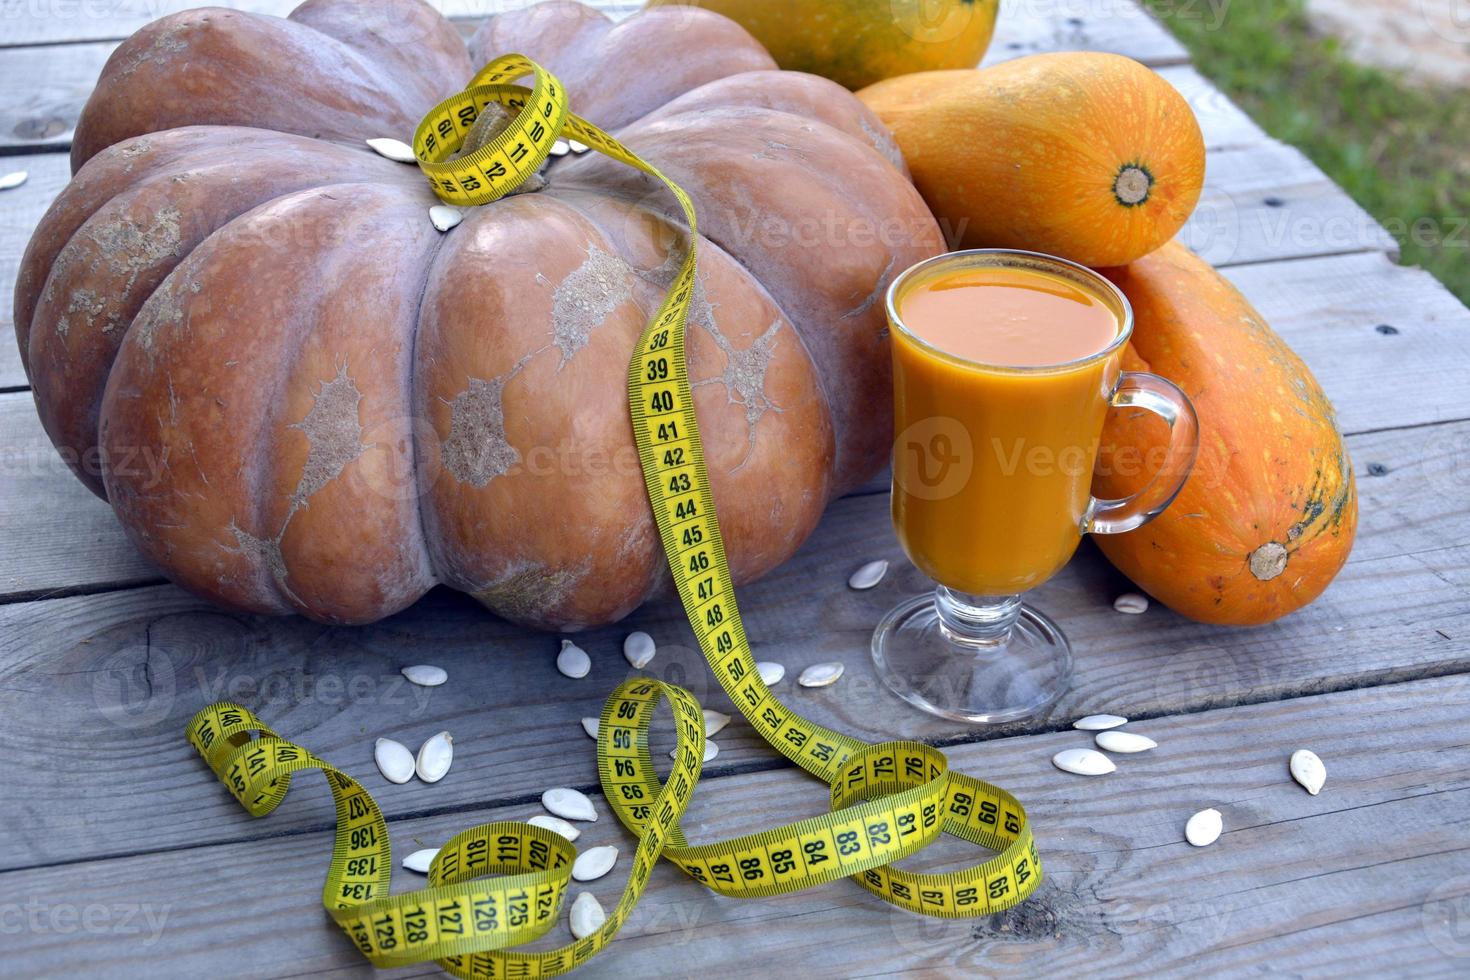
(110, 218)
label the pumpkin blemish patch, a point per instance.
(333, 434)
(586, 298)
(477, 450)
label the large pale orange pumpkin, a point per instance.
(1089, 156)
(301, 397)
(1268, 517)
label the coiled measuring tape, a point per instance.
(889, 800)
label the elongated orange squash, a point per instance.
(1089, 156)
(1267, 519)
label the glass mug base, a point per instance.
(1004, 663)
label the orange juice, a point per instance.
(1003, 367)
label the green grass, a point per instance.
(1402, 150)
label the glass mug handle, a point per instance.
(1164, 399)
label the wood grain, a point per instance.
(1369, 873)
(21, 210)
(54, 526)
(95, 678)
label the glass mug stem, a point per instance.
(974, 621)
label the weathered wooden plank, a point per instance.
(1268, 202)
(42, 91)
(42, 116)
(1117, 26)
(1358, 880)
(20, 211)
(1330, 311)
(54, 526)
(88, 679)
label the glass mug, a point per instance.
(992, 473)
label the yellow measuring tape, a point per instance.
(889, 800)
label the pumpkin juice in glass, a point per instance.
(1005, 365)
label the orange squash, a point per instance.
(1092, 157)
(859, 42)
(1267, 519)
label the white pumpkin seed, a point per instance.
(578, 147)
(425, 676)
(13, 179)
(771, 672)
(1083, 762)
(435, 755)
(1131, 603)
(1308, 770)
(568, 803)
(714, 722)
(868, 576)
(573, 660)
(560, 148)
(1098, 723)
(1124, 742)
(821, 675)
(556, 825)
(445, 216)
(587, 915)
(710, 751)
(639, 648)
(591, 726)
(1204, 828)
(393, 149)
(420, 860)
(394, 760)
(594, 862)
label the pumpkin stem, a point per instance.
(1133, 185)
(493, 120)
(1269, 561)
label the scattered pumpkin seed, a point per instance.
(1204, 828)
(435, 755)
(710, 751)
(639, 648)
(568, 804)
(868, 576)
(1124, 742)
(594, 862)
(1098, 723)
(420, 860)
(587, 916)
(560, 148)
(1308, 770)
(1131, 603)
(426, 676)
(1083, 762)
(13, 179)
(770, 671)
(573, 660)
(445, 216)
(578, 147)
(591, 726)
(821, 675)
(556, 825)
(392, 149)
(394, 760)
(714, 722)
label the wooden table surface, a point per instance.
(120, 854)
